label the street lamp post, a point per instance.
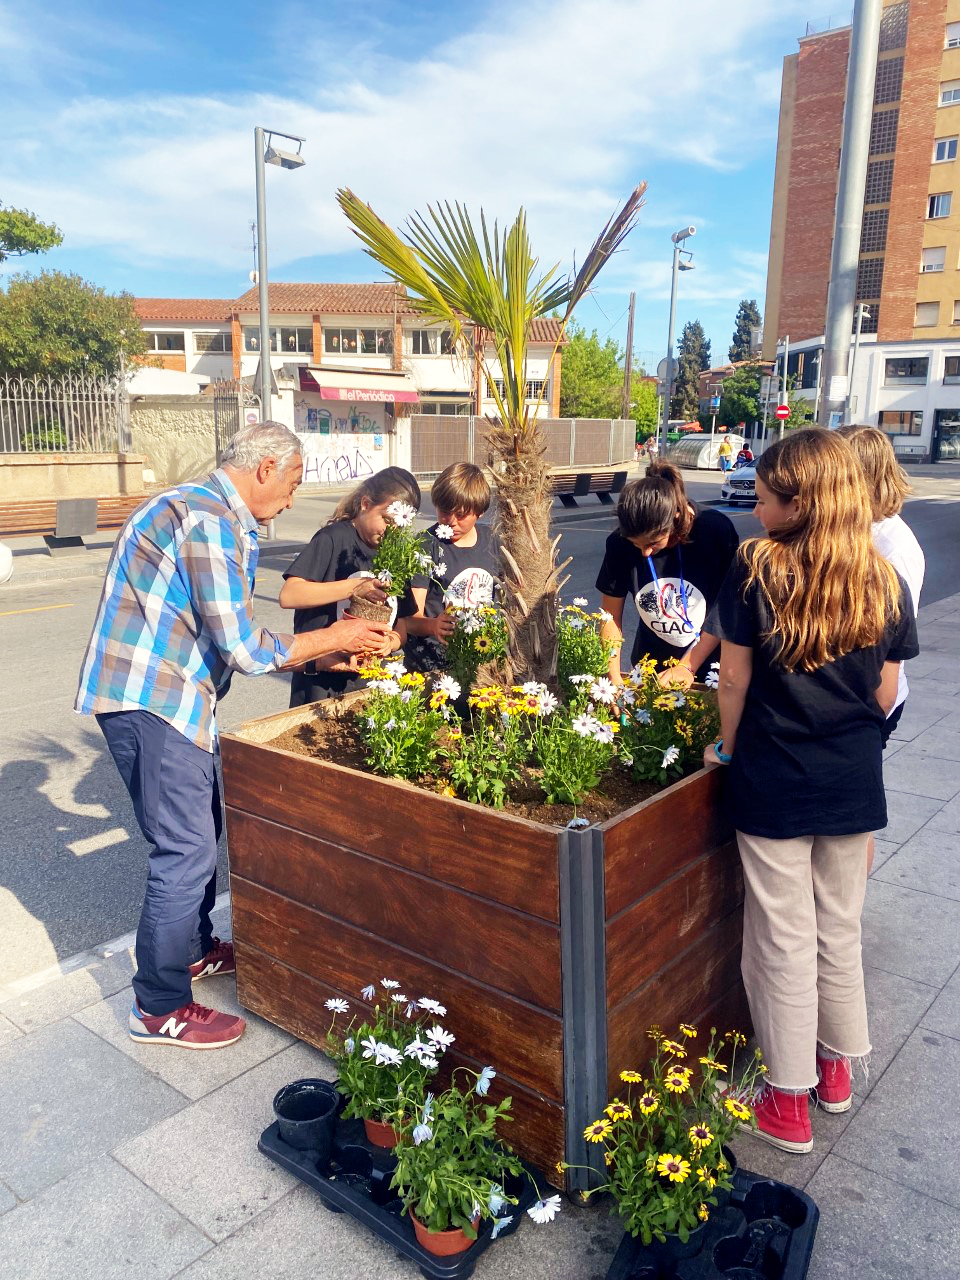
(678, 238)
(267, 153)
(863, 311)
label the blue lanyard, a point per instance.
(683, 591)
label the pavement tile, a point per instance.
(7, 1199)
(908, 1129)
(65, 995)
(906, 814)
(944, 1014)
(895, 1006)
(928, 861)
(915, 935)
(942, 739)
(922, 712)
(8, 1031)
(920, 774)
(758, 1156)
(946, 819)
(871, 1226)
(100, 1223)
(882, 850)
(193, 1074)
(65, 1097)
(204, 1161)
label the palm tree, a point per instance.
(489, 289)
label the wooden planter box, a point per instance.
(553, 950)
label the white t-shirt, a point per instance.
(895, 541)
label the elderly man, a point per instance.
(175, 621)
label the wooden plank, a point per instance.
(680, 992)
(498, 946)
(520, 1039)
(670, 919)
(494, 855)
(651, 842)
(291, 1000)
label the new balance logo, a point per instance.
(172, 1028)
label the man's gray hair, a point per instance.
(260, 440)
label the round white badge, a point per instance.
(663, 611)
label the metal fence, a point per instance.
(436, 440)
(64, 415)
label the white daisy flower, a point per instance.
(421, 1133)
(387, 1056)
(712, 680)
(580, 679)
(369, 1047)
(576, 623)
(603, 690)
(604, 616)
(585, 726)
(397, 998)
(439, 1038)
(545, 1210)
(580, 601)
(449, 686)
(368, 992)
(444, 532)
(432, 1006)
(548, 703)
(401, 513)
(471, 623)
(337, 1006)
(390, 983)
(415, 1048)
(603, 733)
(385, 576)
(669, 756)
(440, 568)
(533, 686)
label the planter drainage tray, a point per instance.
(764, 1232)
(357, 1181)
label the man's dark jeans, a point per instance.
(176, 797)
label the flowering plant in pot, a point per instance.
(452, 1169)
(664, 1139)
(400, 555)
(389, 1056)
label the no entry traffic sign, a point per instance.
(782, 411)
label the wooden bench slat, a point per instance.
(573, 485)
(23, 517)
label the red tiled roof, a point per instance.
(331, 299)
(546, 329)
(185, 310)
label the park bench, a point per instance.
(569, 486)
(63, 522)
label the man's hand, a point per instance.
(676, 678)
(342, 662)
(357, 635)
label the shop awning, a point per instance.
(358, 386)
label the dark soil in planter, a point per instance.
(338, 740)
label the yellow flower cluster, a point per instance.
(493, 698)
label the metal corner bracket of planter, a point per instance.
(553, 949)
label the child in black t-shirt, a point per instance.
(325, 573)
(469, 556)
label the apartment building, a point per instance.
(906, 375)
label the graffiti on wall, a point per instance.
(339, 447)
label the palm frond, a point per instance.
(610, 238)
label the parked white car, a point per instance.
(740, 486)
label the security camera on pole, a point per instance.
(670, 366)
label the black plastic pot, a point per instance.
(306, 1112)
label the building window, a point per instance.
(251, 339)
(949, 92)
(895, 423)
(293, 341)
(869, 278)
(883, 131)
(888, 81)
(952, 38)
(879, 182)
(431, 342)
(341, 342)
(928, 315)
(214, 343)
(376, 342)
(956, 311)
(534, 390)
(893, 27)
(951, 369)
(944, 149)
(873, 234)
(938, 206)
(905, 369)
(451, 408)
(166, 342)
(933, 259)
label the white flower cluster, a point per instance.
(401, 514)
(444, 532)
(588, 726)
(713, 676)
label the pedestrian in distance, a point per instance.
(671, 558)
(744, 458)
(174, 623)
(725, 454)
(814, 624)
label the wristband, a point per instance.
(718, 752)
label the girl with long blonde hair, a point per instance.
(813, 623)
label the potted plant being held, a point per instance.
(664, 1139)
(391, 1054)
(452, 1169)
(400, 555)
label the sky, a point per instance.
(131, 127)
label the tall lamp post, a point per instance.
(679, 265)
(266, 153)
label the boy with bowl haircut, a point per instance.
(468, 554)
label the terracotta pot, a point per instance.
(442, 1244)
(380, 1134)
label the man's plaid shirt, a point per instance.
(176, 614)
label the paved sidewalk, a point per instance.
(124, 1161)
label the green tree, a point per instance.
(492, 287)
(55, 324)
(22, 232)
(645, 408)
(740, 397)
(591, 376)
(748, 317)
(693, 356)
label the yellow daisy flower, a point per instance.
(674, 1082)
(703, 1213)
(437, 700)
(737, 1109)
(608, 1158)
(631, 1077)
(700, 1135)
(713, 1064)
(617, 1110)
(597, 1131)
(655, 1034)
(672, 1047)
(673, 1167)
(722, 1166)
(482, 643)
(650, 1164)
(447, 791)
(688, 1031)
(648, 1104)
(735, 1037)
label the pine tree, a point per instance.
(748, 317)
(693, 356)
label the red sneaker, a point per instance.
(835, 1090)
(783, 1120)
(218, 960)
(189, 1027)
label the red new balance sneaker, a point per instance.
(835, 1090)
(218, 960)
(189, 1027)
(783, 1120)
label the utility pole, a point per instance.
(263, 291)
(628, 359)
(857, 116)
(784, 393)
(678, 239)
(862, 310)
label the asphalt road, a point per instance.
(72, 861)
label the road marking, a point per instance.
(40, 608)
(102, 841)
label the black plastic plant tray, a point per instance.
(764, 1232)
(357, 1181)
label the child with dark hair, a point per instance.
(335, 565)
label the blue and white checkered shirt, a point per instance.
(176, 615)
